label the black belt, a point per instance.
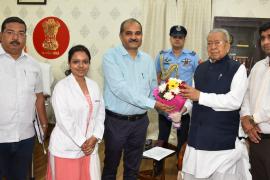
(125, 117)
(264, 136)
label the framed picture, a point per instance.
(33, 2)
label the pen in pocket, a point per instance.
(220, 76)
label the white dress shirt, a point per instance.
(203, 164)
(257, 97)
(20, 80)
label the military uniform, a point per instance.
(182, 67)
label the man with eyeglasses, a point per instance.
(21, 93)
(179, 63)
(214, 151)
(255, 110)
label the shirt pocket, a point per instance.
(8, 82)
(31, 79)
(145, 83)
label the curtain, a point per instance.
(160, 15)
(196, 17)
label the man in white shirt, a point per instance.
(255, 111)
(21, 93)
(214, 152)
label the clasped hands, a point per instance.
(251, 129)
(89, 145)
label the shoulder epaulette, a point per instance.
(163, 51)
(193, 53)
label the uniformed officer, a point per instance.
(179, 63)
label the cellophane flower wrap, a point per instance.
(169, 93)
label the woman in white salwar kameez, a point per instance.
(79, 110)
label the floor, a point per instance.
(40, 160)
(40, 163)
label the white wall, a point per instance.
(93, 23)
(241, 8)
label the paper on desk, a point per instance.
(157, 153)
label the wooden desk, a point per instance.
(150, 173)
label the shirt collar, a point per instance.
(124, 51)
(184, 51)
(2, 52)
(267, 62)
(225, 58)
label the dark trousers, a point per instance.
(260, 160)
(15, 159)
(127, 137)
(165, 130)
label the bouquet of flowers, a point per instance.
(169, 93)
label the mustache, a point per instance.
(15, 43)
(133, 40)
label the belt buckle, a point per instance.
(131, 118)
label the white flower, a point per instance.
(162, 87)
(175, 91)
(175, 79)
(179, 81)
(168, 96)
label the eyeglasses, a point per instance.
(216, 43)
(20, 34)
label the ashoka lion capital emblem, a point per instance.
(50, 28)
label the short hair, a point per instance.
(73, 50)
(130, 20)
(264, 27)
(12, 20)
(223, 31)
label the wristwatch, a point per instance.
(44, 125)
(251, 120)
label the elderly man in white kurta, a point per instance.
(214, 152)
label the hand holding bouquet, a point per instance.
(169, 93)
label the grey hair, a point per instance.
(221, 30)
